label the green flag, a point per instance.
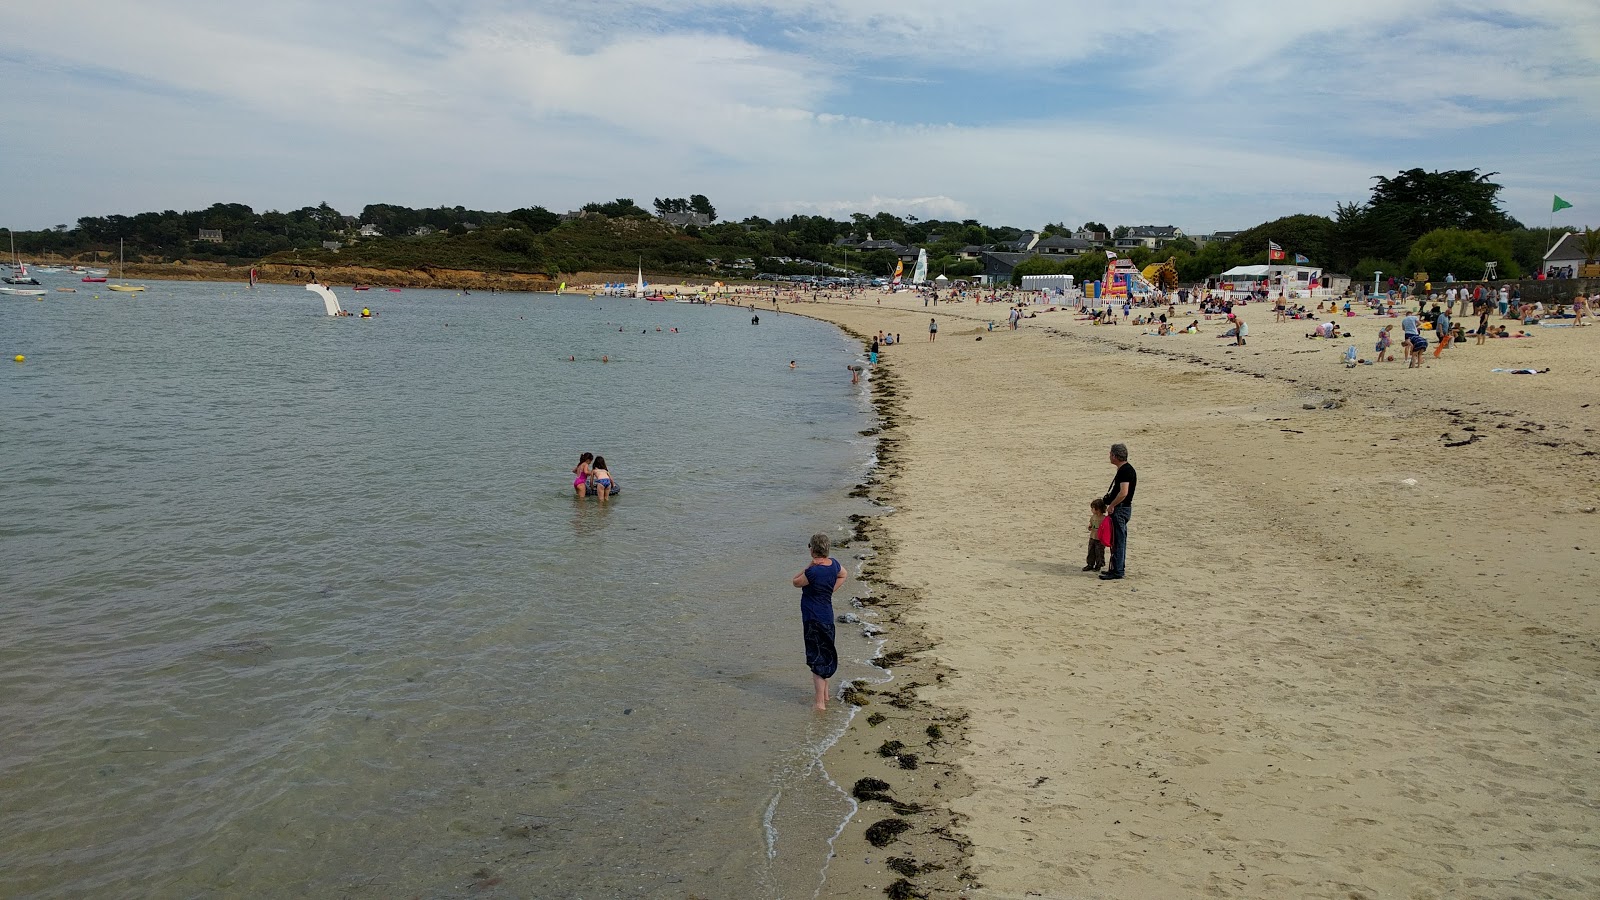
(1559, 204)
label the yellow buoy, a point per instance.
(19, 357)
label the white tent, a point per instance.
(941, 278)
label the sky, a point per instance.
(1209, 116)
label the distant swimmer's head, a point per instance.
(820, 545)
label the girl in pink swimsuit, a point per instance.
(580, 483)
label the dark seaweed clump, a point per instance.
(876, 719)
(883, 832)
(904, 866)
(871, 789)
(890, 748)
(903, 889)
(908, 760)
(854, 696)
(935, 732)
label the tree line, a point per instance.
(1438, 222)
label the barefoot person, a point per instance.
(1119, 509)
(817, 582)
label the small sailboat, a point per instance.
(330, 303)
(19, 272)
(252, 277)
(122, 270)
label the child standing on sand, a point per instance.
(817, 582)
(1099, 536)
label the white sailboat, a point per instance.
(19, 272)
(122, 273)
(330, 303)
(638, 290)
(920, 273)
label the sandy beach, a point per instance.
(1355, 655)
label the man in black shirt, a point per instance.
(1119, 507)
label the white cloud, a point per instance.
(1205, 116)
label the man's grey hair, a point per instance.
(1120, 451)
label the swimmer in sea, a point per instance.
(605, 359)
(791, 363)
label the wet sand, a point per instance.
(1355, 655)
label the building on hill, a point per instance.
(370, 231)
(685, 219)
(212, 235)
(999, 265)
(332, 245)
(1024, 244)
(1097, 239)
(1062, 246)
(1152, 237)
(970, 251)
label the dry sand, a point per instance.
(1348, 660)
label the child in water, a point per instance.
(580, 481)
(1099, 536)
(817, 582)
(602, 479)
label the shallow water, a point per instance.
(299, 605)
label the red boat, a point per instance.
(394, 290)
(363, 287)
(92, 280)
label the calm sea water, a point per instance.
(292, 605)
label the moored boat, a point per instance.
(122, 268)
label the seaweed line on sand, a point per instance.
(927, 736)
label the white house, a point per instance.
(1566, 257)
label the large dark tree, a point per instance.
(698, 203)
(1413, 203)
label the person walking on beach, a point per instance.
(933, 329)
(1119, 509)
(817, 582)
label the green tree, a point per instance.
(1404, 208)
(698, 203)
(537, 219)
(1453, 251)
(1591, 246)
(1035, 265)
(1307, 234)
(1364, 269)
(620, 208)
